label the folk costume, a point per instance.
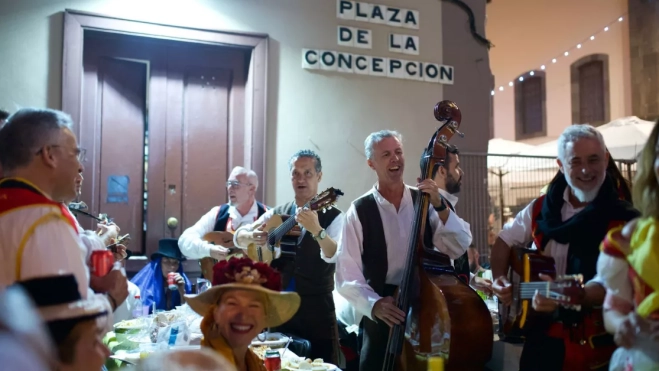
(218, 219)
(372, 255)
(311, 274)
(39, 237)
(572, 237)
(242, 274)
(631, 273)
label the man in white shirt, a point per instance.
(310, 270)
(242, 209)
(41, 158)
(374, 244)
(568, 223)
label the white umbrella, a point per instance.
(503, 147)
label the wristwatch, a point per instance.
(321, 235)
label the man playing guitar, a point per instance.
(568, 224)
(242, 209)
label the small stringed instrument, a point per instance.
(526, 266)
(277, 227)
(585, 337)
(219, 238)
(445, 317)
(81, 207)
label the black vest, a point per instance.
(461, 264)
(375, 262)
(313, 276)
(223, 216)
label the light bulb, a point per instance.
(592, 37)
(492, 92)
(606, 29)
(566, 54)
(542, 67)
(620, 19)
(510, 83)
(579, 46)
(521, 78)
(553, 60)
(531, 73)
(500, 88)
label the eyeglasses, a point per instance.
(81, 153)
(237, 184)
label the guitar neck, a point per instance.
(279, 232)
(528, 289)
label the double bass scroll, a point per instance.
(445, 317)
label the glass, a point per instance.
(202, 285)
(81, 153)
(235, 183)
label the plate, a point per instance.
(272, 339)
(328, 366)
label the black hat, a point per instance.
(168, 247)
(60, 305)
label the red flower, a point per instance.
(226, 270)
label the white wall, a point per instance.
(330, 113)
(528, 34)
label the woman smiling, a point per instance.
(244, 300)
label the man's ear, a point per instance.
(370, 163)
(560, 165)
(47, 157)
(320, 176)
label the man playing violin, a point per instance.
(241, 209)
(568, 223)
(310, 271)
(375, 240)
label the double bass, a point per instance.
(445, 317)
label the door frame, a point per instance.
(255, 122)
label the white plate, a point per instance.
(272, 339)
(330, 367)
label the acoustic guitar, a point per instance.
(586, 338)
(219, 238)
(278, 226)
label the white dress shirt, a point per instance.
(333, 231)
(191, 243)
(448, 238)
(518, 233)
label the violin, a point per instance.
(445, 317)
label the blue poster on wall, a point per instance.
(118, 189)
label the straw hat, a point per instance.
(245, 274)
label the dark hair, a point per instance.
(3, 114)
(26, 131)
(447, 161)
(308, 154)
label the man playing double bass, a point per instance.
(241, 209)
(568, 223)
(375, 242)
(311, 272)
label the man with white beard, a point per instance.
(568, 223)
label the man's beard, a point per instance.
(452, 185)
(584, 196)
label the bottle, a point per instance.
(138, 310)
(435, 364)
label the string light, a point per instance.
(566, 53)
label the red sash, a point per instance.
(16, 198)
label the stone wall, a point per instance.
(644, 53)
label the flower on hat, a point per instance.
(246, 271)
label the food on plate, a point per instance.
(260, 350)
(130, 323)
(306, 364)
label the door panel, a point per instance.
(205, 120)
(122, 93)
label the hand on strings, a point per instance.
(503, 290)
(259, 236)
(218, 252)
(308, 219)
(386, 310)
(429, 187)
(542, 303)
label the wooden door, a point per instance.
(156, 121)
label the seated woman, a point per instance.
(629, 263)
(76, 326)
(152, 279)
(244, 300)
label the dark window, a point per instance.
(531, 105)
(591, 92)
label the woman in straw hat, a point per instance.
(245, 298)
